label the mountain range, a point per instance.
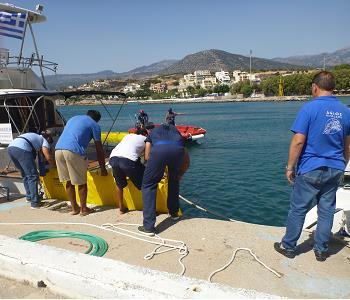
(335, 58)
(213, 60)
(216, 60)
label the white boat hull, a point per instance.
(341, 216)
(197, 137)
(347, 170)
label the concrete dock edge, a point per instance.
(76, 275)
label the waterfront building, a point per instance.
(189, 80)
(159, 87)
(202, 78)
(239, 76)
(131, 88)
(223, 77)
(208, 82)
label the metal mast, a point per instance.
(250, 66)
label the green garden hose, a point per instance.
(98, 246)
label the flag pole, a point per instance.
(22, 44)
(37, 55)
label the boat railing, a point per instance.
(29, 62)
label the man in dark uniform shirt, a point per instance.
(167, 150)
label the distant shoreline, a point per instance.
(223, 99)
(217, 99)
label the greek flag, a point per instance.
(12, 24)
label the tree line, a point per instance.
(293, 85)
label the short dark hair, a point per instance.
(94, 114)
(141, 131)
(46, 134)
(325, 81)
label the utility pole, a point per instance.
(324, 63)
(250, 67)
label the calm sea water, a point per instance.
(238, 169)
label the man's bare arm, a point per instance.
(148, 147)
(296, 146)
(48, 156)
(101, 157)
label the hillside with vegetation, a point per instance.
(216, 60)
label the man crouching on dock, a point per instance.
(71, 157)
(318, 154)
(125, 162)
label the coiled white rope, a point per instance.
(235, 252)
(232, 259)
(160, 242)
(156, 240)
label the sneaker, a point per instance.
(28, 200)
(320, 256)
(285, 252)
(174, 216)
(35, 207)
(146, 231)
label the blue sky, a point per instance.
(90, 36)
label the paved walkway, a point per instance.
(211, 244)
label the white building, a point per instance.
(202, 73)
(223, 77)
(190, 80)
(238, 76)
(208, 82)
(131, 88)
(203, 78)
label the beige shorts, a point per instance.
(71, 166)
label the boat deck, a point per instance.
(209, 249)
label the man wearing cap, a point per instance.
(318, 154)
(23, 151)
(71, 156)
(168, 150)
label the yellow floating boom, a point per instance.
(102, 191)
(113, 137)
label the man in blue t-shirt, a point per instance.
(71, 157)
(318, 154)
(23, 151)
(168, 150)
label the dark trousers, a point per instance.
(160, 157)
(25, 163)
(124, 167)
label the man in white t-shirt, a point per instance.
(125, 161)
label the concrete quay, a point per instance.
(124, 273)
